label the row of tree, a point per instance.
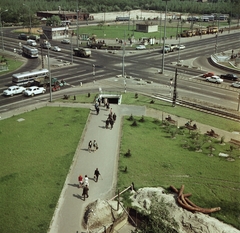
(19, 10)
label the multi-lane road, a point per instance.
(138, 64)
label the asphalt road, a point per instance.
(138, 64)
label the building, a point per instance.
(57, 32)
(64, 15)
(147, 27)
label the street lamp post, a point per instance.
(49, 69)
(238, 101)
(123, 68)
(2, 28)
(164, 39)
(30, 20)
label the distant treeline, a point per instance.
(19, 10)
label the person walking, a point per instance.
(114, 117)
(111, 123)
(96, 175)
(85, 192)
(97, 109)
(95, 146)
(86, 180)
(80, 180)
(90, 146)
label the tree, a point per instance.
(53, 21)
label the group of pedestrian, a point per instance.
(111, 119)
(84, 183)
(92, 146)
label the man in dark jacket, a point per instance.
(85, 192)
(96, 174)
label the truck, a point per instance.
(229, 76)
(170, 48)
(82, 52)
(44, 82)
(30, 51)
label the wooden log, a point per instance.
(191, 203)
(174, 189)
(181, 190)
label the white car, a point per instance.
(34, 90)
(214, 79)
(236, 84)
(14, 90)
(65, 41)
(55, 48)
(141, 47)
(181, 46)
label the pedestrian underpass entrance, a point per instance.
(112, 98)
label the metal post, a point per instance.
(175, 90)
(71, 49)
(50, 76)
(164, 39)
(238, 101)
(129, 20)
(2, 29)
(30, 20)
(93, 69)
(49, 69)
(123, 57)
(77, 24)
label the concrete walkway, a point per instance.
(69, 213)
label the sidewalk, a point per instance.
(69, 212)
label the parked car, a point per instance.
(209, 74)
(31, 42)
(34, 90)
(236, 84)
(214, 79)
(181, 46)
(22, 36)
(141, 47)
(65, 41)
(14, 90)
(229, 76)
(55, 48)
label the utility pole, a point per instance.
(164, 39)
(175, 89)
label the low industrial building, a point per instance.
(147, 27)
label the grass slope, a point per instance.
(158, 159)
(35, 158)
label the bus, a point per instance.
(28, 78)
(29, 51)
(119, 18)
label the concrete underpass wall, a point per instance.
(112, 99)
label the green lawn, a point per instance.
(159, 159)
(12, 63)
(35, 158)
(38, 152)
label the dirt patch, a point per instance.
(26, 30)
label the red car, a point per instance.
(209, 74)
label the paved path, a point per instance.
(69, 213)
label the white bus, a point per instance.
(28, 77)
(30, 51)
